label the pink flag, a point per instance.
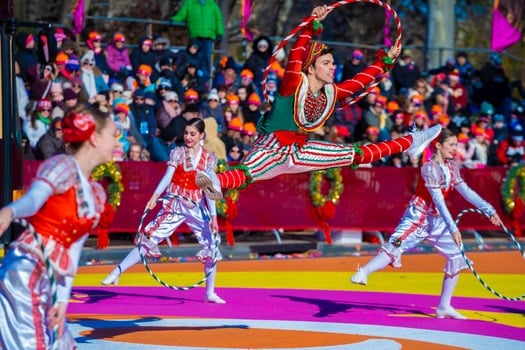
(78, 17)
(246, 11)
(506, 21)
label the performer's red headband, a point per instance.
(313, 51)
(78, 127)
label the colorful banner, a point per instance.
(246, 11)
(78, 17)
(506, 24)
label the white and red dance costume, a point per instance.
(282, 146)
(428, 218)
(62, 206)
(184, 203)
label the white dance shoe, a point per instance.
(449, 313)
(111, 279)
(214, 298)
(359, 277)
(421, 139)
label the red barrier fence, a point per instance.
(373, 199)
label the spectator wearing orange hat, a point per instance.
(142, 79)
(251, 113)
(233, 108)
(306, 100)
(124, 125)
(246, 81)
(462, 149)
(377, 116)
(234, 132)
(118, 57)
(94, 43)
(249, 132)
(191, 96)
(421, 120)
(478, 150)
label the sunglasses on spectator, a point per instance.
(58, 129)
(176, 101)
(117, 91)
(86, 63)
(77, 85)
(45, 110)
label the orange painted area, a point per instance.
(243, 338)
(488, 262)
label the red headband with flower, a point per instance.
(78, 127)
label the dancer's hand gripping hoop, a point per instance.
(469, 264)
(309, 19)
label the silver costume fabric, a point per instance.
(433, 221)
(174, 212)
(416, 226)
(25, 301)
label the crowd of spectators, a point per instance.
(151, 89)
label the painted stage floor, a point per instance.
(301, 304)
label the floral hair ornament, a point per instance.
(78, 127)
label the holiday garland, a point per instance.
(333, 175)
(515, 176)
(513, 195)
(111, 173)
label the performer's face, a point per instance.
(447, 149)
(323, 69)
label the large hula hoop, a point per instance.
(478, 277)
(49, 269)
(157, 278)
(309, 19)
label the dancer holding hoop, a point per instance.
(184, 203)
(428, 218)
(62, 206)
(306, 99)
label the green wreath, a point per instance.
(227, 206)
(334, 177)
(515, 179)
(110, 172)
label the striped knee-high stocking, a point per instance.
(233, 178)
(375, 151)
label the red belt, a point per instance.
(287, 138)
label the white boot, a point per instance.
(445, 309)
(211, 297)
(131, 259)
(359, 277)
(112, 278)
(421, 139)
(209, 183)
